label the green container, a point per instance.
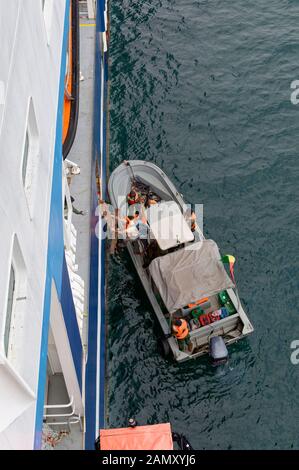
(230, 307)
(223, 297)
(226, 302)
(197, 312)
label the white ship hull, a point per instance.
(45, 292)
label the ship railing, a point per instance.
(70, 243)
(87, 8)
(71, 417)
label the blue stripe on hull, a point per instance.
(95, 370)
(70, 320)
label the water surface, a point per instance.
(202, 89)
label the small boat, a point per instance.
(182, 273)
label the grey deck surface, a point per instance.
(81, 153)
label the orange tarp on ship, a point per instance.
(155, 437)
(68, 85)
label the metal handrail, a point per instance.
(64, 415)
(59, 415)
(62, 423)
(61, 406)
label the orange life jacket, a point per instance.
(181, 331)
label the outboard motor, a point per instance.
(218, 351)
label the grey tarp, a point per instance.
(189, 274)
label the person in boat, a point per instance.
(143, 229)
(181, 332)
(151, 200)
(191, 219)
(133, 197)
(131, 229)
(136, 216)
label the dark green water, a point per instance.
(202, 88)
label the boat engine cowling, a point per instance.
(218, 351)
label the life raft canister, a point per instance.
(181, 331)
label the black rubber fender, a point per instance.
(164, 348)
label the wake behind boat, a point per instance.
(183, 274)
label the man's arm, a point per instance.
(76, 211)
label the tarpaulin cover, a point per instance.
(155, 437)
(189, 274)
